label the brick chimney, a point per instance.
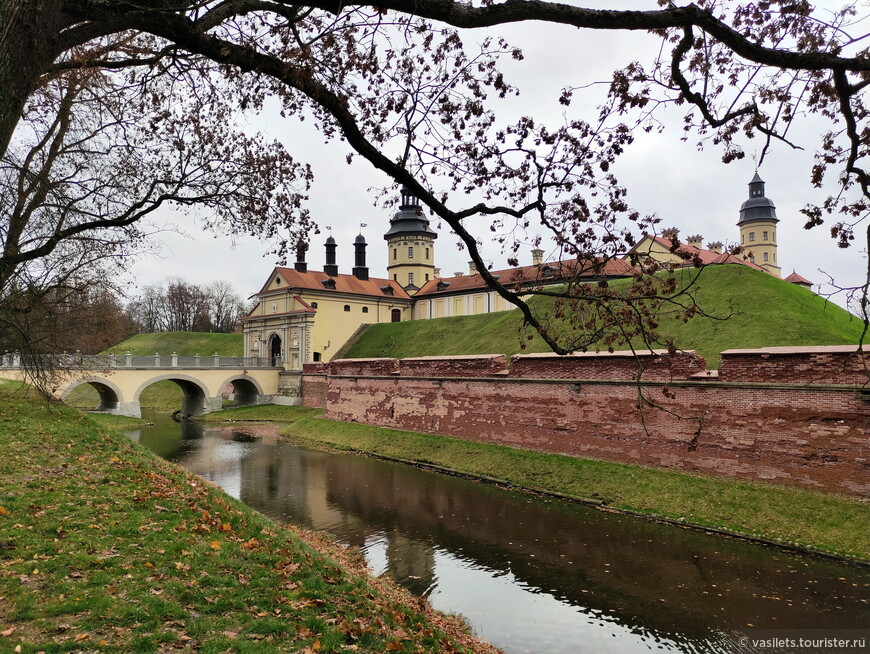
(300, 264)
(331, 268)
(360, 270)
(671, 233)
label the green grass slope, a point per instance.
(766, 312)
(182, 343)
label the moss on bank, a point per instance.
(826, 522)
(105, 547)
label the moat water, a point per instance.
(529, 574)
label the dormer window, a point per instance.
(547, 271)
(329, 283)
(387, 290)
(441, 285)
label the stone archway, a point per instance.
(110, 395)
(245, 391)
(196, 400)
(276, 353)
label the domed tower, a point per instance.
(757, 225)
(410, 245)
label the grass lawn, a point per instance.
(183, 344)
(825, 522)
(104, 547)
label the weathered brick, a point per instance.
(815, 437)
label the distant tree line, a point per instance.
(178, 306)
(93, 317)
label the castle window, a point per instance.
(764, 235)
(410, 253)
(410, 278)
(395, 253)
(427, 277)
(347, 307)
(313, 305)
(277, 281)
(395, 277)
(751, 236)
(765, 256)
(317, 356)
(274, 308)
(427, 254)
(365, 309)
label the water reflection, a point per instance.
(531, 574)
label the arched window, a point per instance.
(314, 305)
(365, 309)
(347, 307)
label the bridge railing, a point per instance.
(12, 360)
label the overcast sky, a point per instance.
(688, 189)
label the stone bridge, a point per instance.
(120, 380)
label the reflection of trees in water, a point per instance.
(654, 578)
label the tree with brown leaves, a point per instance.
(398, 83)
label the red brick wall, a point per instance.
(481, 365)
(314, 387)
(363, 367)
(839, 364)
(815, 438)
(606, 365)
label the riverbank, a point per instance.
(105, 547)
(821, 522)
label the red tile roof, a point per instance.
(794, 278)
(707, 257)
(560, 271)
(313, 280)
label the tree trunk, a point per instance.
(29, 33)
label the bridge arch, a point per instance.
(197, 400)
(247, 391)
(111, 397)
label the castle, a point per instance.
(305, 316)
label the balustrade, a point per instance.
(13, 360)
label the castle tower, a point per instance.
(410, 245)
(757, 225)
